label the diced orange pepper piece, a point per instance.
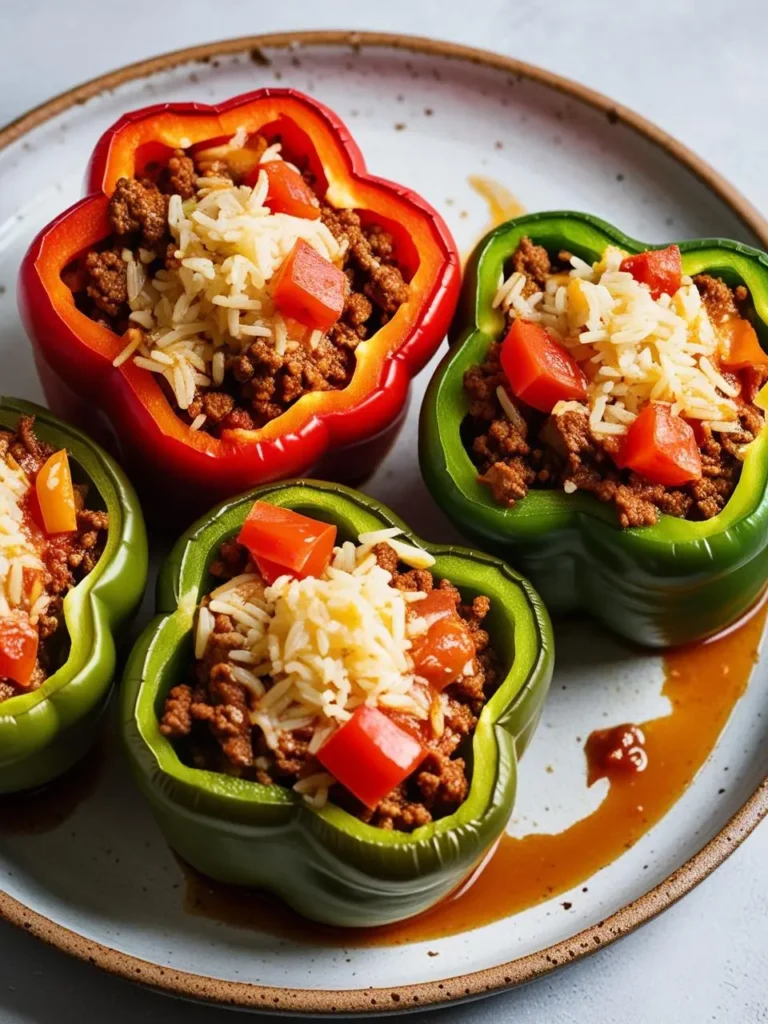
(56, 495)
(742, 346)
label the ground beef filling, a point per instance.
(210, 716)
(539, 451)
(259, 384)
(67, 558)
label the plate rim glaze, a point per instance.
(277, 999)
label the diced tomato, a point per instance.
(539, 370)
(288, 192)
(370, 755)
(741, 346)
(660, 269)
(662, 447)
(56, 495)
(440, 654)
(310, 288)
(286, 542)
(19, 641)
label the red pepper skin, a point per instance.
(339, 434)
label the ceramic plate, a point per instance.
(86, 868)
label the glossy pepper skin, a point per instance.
(660, 586)
(43, 732)
(340, 434)
(327, 864)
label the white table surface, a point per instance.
(699, 69)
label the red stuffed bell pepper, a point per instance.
(341, 432)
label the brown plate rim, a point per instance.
(522, 969)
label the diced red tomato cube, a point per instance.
(309, 288)
(660, 269)
(539, 370)
(288, 192)
(287, 542)
(441, 654)
(662, 447)
(370, 755)
(19, 641)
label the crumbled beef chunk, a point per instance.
(291, 754)
(231, 561)
(179, 176)
(717, 297)
(217, 405)
(508, 481)
(357, 309)
(7, 690)
(106, 281)
(386, 288)
(138, 207)
(442, 782)
(480, 383)
(177, 718)
(228, 715)
(373, 272)
(533, 261)
(170, 260)
(396, 811)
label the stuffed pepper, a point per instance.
(600, 422)
(73, 565)
(328, 708)
(237, 298)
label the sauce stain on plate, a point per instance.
(703, 683)
(502, 204)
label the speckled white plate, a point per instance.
(96, 878)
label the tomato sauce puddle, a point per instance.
(702, 683)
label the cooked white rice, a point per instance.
(17, 552)
(632, 347)
(329, 644)
(218, 301)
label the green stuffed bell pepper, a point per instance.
(326, 863)
(45, 730)
(659, 585)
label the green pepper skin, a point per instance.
(44, 732)
(328, 865)
(660, 586)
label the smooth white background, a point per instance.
(696, 67)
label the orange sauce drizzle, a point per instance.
(702, 683)
(502, 204)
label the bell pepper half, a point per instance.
(43, 732)
(343, 433)
(327, 864)
(662, 585)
